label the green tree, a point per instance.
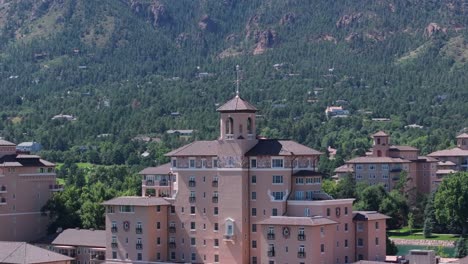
(451, 201)
(346, 187)
(391, 248)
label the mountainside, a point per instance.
(123, 66)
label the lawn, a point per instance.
(405, 233)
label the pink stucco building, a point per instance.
(26, 183)
(240, 199)
(385, 162)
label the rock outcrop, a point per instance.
(346, 20)
(207, 24)
(158, 13)
(432, 29)
(264, 40)
(288, 19)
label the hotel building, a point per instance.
(26, 184)
(385, 163)
(240, 199)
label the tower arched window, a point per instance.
(229, 227)
(230, 126)
(378, 141)
(249, 126)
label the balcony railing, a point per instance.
(172, 245)
(139, 246)
(271, 236)
(301, 237)
(163, 183)
(215, 199)
(139, 230)
(192, 199)
(149, 183)
(192, 184)
(172, 229)
(301, 254)
(114, 229)
(271, 253)
(229, 237)
(114, 245)
(214, 183)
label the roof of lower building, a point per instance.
(344, 169)
(237, 104)
(295, 220)
(278, 147)
(446, 163)
(137, 201)
(22, 252)
(160, 170)
(454, 152)
(380, 134)
(377, 160)
(464, 135)
(369, 215)
(197, 148)
(6, 143)
(81, 237)
(403, 148)
(15, 160)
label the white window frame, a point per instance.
(252, 162)
(273, 160)
(277, 179)
(194, 163)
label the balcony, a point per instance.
(148, 182)
(271, 253)
(301, 254)
(139, 230)
(214, 199)
(3, 189)
(139, 246)
(214, 183)
(163, 182)
(172, 245)
(98, 258)
(2, 201)
(172, 229)
(301, 237)
(192, 199)
(192, 184)
(396, 169)
(114, 229)
(114, 245)
(56, 188)
(229, 237)
(271, 236)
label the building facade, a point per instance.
(239, 199)
(385, 163)
(27, 182)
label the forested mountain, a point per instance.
(121, 67)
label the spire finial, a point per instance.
(237, 80)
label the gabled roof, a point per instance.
(403, 148)
(22, 252)
(368, 215)
(377, 160)
(137, 201)
(277, 147)
(81, 237)
(197, 148)
(380, 134)
(160, 170)
(464, 135)
(455, 152)
(6, 143)
(237, 104)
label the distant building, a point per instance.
(336, 111)
(84, 246)
(452, 160)
(240, 199)
(182, 133)
(22, 252)
(29, 147)
(27, 182)
(385, 162)
(64, 117)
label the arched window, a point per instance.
(229, 126)
(378, 141)
(249, 126)
(229, 227)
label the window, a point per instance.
(376, 241)
(126, 209)
(215, 211)
(172, 209)
(328, 211)
(358, 167)
(277, 179)
(193, 241)
(376, 225)
(158, 256)
(253, 163)
(194, 256)
(322, 248)
(384, 166)
(158, 241)
(360, 242)
(249, 126)
(114, 254)
(306, 212)
(274, 212)
(216, 242)
(322, 231)
(254, 179)
(346, 243)
(173, 255)
(299, 180)
(229, 227)
(215, 163)
(192, 163)
(346, 210)
(216, 258)
(110, 209)
(372, 166)
(277, 163)
(346, 227)
(360, 227)
(192, 226)
(229, 126)
(192, 209)
(254, 228)
(277, 196)
(254, 211)
(254, 260)
(158, 208)
(216, 227)
(139, 256)
(254, 195)
(203, 163)
(174, 163)
(346, 260)
(254, 243)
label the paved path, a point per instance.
(423, 242)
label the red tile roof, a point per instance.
(275, 147)
(464, 135)
(377, 160)
(6, 143)
(160, 170)
(403, 148)
(237, 104)
(197, 148)
(380, 134)
(455, 152)
(22, 252)
(368, 215)
(81, 237)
